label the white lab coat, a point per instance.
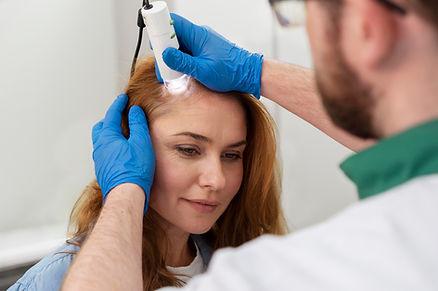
(387, 242)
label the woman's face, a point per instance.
(199, 146)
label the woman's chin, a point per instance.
(200, 231)
(197, 229)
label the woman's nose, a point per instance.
(212, 175)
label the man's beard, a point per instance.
(347, 99)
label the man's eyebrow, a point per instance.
(202, 138)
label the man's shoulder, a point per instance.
(399, 213)
(415, 198)
(387, 242)
(48, 273)
(423, 185)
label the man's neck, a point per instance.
(394, 120)
(410, 99)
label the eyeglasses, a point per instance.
(289, 13)
(292, 13)
(393, 6)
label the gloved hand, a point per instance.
(214, 61)
(118, 160)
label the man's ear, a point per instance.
(371, 33)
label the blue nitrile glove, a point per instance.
(213, 60)
(118, 160)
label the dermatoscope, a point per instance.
(156, 18)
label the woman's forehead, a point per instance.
(198, 100)
(208, 113)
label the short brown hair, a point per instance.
(426, 8)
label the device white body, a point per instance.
(162, 35)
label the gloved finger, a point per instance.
(189, 34)
(113, 117)
(138, 126)
(97, 128)
(179, 61)
(158, 74)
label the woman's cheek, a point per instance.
(235, 177)
(171, 177)
(179, 173)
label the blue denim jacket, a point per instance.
(48, 274)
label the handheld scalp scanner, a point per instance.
(155, 17)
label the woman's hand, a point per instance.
(118, 160)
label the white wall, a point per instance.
(63, 62)
(57, 74)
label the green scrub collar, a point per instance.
(395, 160)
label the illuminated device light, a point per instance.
(177, 86)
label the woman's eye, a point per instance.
(232, 156)
(188, 151)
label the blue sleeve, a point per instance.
(47, 274)
(16, 287)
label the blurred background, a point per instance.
(63, 62)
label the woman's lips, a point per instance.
(203, 206)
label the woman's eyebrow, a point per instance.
(202, 138)
(237, 144)
(194, 136)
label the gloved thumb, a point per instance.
(97, 128)
(181, 62)
(158, 74)
(138, 127)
